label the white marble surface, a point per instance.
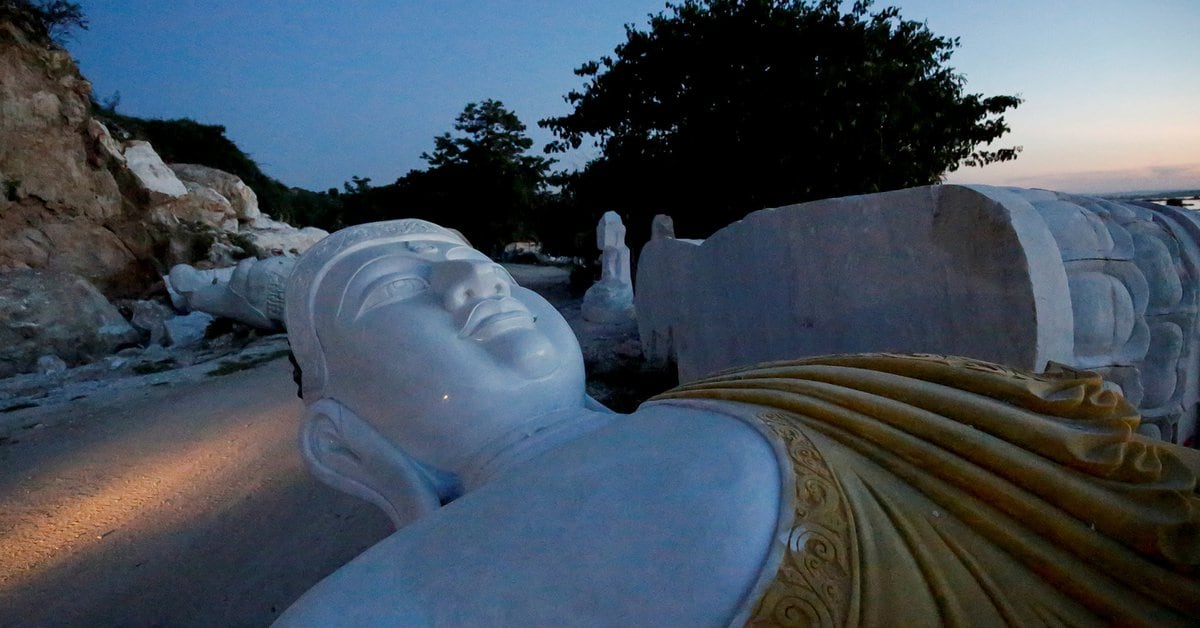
(251, 292)
(610, 300)
(900, 271)
(1009, 275)
(431, 378)
(152, 174)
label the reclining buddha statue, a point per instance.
(871, 489)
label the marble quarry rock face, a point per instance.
(1014, 276)
(55, 187)
(59, 314)
(239, 195)
(153, 176)
(75, 199)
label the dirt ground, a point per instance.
(180, 499)
(174, 505)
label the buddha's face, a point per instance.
(438, 347)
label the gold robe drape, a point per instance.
(935, 490)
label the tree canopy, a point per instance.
(45, 20)
(480, 180)
(490, 136)
(726, 106)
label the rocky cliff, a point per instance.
(74, 199)
(77, 203)
(61, 208)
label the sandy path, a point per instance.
(169, 505)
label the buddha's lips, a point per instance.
(494, 315)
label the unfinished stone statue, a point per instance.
(662, 227)
(865, 490)
(251, 292)
(610, 300)
(1014, 276)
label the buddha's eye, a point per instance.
(420, 247)
(392, 290)
(405, 287)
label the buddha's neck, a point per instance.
(535, 437)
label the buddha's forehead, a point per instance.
(350, 274)
(388, 256)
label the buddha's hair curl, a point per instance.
(305, 281)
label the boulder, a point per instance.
(187, 330)
(107, 150)
(50, 365)
(199, 205)
(269, 238)
(150, 316)
(151, 173)
(47, 312)
(239, 195)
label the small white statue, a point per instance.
(867, 490)
(610, 300)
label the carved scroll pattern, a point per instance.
(814, 584)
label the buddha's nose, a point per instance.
(462, 282)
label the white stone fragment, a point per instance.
(187, 330)
(50, 364)
(152, 174)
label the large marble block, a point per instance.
(900, 271)
(1020, 277)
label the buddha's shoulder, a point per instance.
(681, 469)
(669, 511)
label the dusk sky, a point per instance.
(319, 91)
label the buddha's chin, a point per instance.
(526, 351)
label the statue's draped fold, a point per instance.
(934, 487)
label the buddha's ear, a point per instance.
(347, 453)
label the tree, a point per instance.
(480, 181)
(47, 20)
(726, 106)
(493, 136)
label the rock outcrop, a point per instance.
(55, 313)
(61, 207)
(74, 199)
(241, 198)
(94, 217)
(152, 175)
